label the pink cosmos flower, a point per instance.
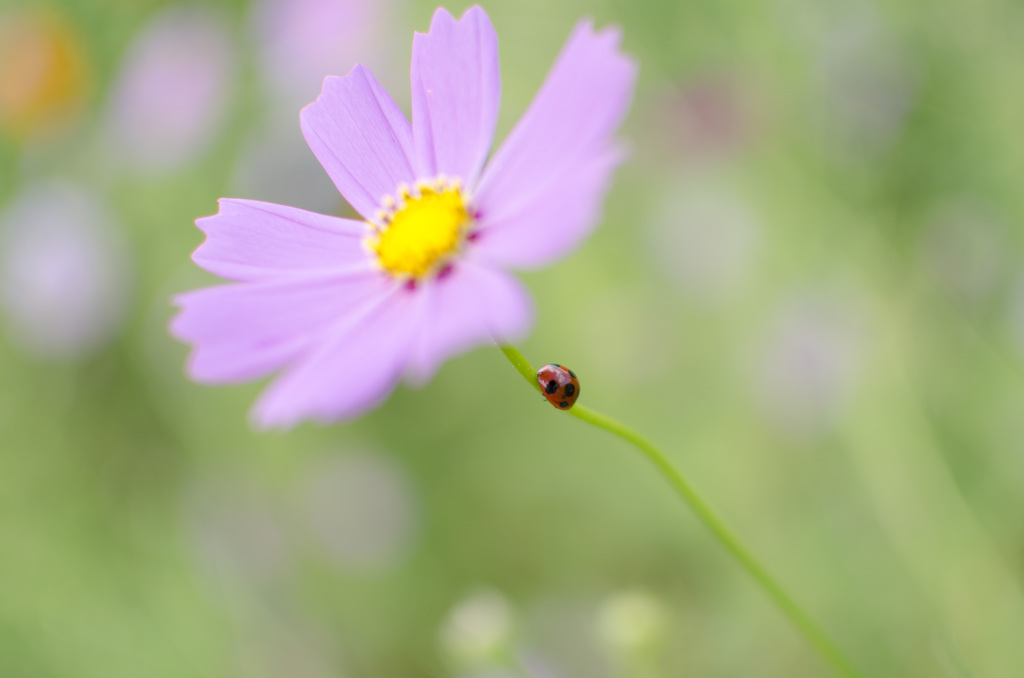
(345, 308)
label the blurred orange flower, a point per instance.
(43, 74)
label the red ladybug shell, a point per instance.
(559, 385)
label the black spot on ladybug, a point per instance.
(551, 387)
(569, 390)
(563, 404)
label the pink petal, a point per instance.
(249, 240)
(546, 181)
(551, 223)
(246, 330)
(471, 305)
(362, 139)
(353, 369)
(456, 92)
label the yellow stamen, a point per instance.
(422, 230)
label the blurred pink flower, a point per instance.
(301, 41)
(346, 308)
(712, 116)
(172, 93)
(811, 360)
(63, 271)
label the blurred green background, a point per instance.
(808, 288)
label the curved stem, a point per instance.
(521, 364)
(725, 535)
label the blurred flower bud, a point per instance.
(632, 622)
(478, 630)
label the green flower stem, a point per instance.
(800, 619)
(522, 365)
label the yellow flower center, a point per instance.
(418, 235)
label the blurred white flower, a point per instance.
(172, 93)
(704, 238)
(299, 42)
(868, 78)
(479, 629)
(361, 510)
(562, 629)
(632, 621)
(808, 363)
(64, 277)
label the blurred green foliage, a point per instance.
(842, 373)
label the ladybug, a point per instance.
(559, 385)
